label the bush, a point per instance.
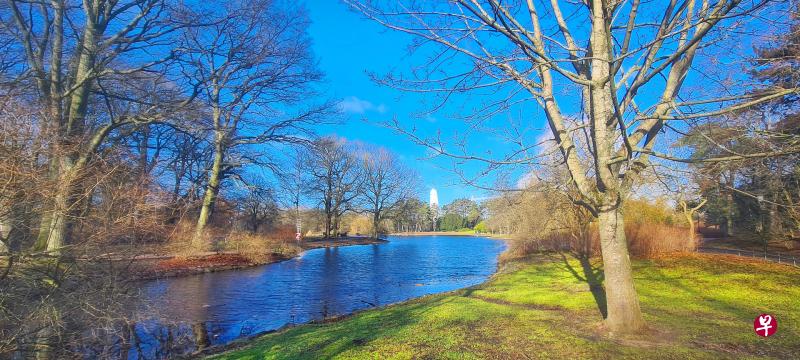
(256, 246)
(644, 240)
(641, 211)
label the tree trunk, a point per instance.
(327, 233)
(692, 237)
(624, 314)
(254, 222)
(209, 200)
(375, 223)
(53, 227)
(46, 224)
(57, 233)
(335, 227)
(689, 214)
(730, 206)
(729, 212)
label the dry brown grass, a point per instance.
(649, 240)
(256, 247)
(644, 240)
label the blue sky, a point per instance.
(348, 47)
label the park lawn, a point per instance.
(696, 306)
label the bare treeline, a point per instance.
(347, 177)
(172, 99)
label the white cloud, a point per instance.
(354, 105)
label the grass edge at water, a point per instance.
(538, 307)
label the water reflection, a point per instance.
(189, 313)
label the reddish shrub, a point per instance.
(644, 240)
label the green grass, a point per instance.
(698, 307)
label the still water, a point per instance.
(216, 308)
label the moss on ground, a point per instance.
(697, 306)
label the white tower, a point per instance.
(434, 200)
(434, 204)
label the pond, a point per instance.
(182, 314)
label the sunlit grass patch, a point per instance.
(697, 306)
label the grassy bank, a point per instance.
(697, 306)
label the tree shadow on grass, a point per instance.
(590, 274)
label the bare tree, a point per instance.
(335, 179)
(293, 181)
(252, 63)
(620, 66)
(79, 79)
(258, 205)
(386, 182)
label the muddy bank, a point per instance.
(153, 267)
(314, 243)
(453, 233)
(439, 233)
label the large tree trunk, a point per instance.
(54, 224)
(624, 314)
(53, 227)
(209, 200)
(57, 233)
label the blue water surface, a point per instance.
(321, 283)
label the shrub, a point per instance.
(256, 246)
(644, 240)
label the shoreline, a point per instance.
(161, 267)
(246, 341)
(373, 332)
(452, 233)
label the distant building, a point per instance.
(434, 200)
